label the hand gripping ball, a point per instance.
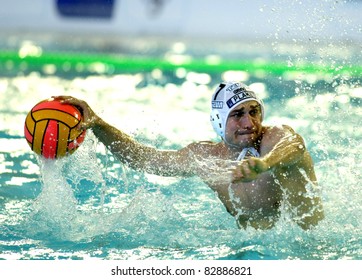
(51, 129)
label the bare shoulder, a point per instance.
(278, 131)
(273, 135)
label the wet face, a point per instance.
(243, 125)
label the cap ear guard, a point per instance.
(217, 122)
(216, 115)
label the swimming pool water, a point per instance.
(88, 205)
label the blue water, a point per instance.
(88, 205)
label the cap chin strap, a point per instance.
(248, 152)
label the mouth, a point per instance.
(245, 132)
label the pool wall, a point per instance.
(229, 19)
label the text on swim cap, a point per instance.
(240, 95)
(234, 86)
(217, 104)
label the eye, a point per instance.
(236, 114)
(253, 112)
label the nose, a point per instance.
(246, 122)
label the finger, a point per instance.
(61, 97)
(82, 126)
(235, 174)
(251, 163)
(80, 105)
(68, 100)
(245, 170)
(241, 172)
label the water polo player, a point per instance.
(255, 170)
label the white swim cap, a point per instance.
(226, 97)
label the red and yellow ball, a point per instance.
(51, 129)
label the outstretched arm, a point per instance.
(142, 157)
(128, 150)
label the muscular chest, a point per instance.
(262, 193)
